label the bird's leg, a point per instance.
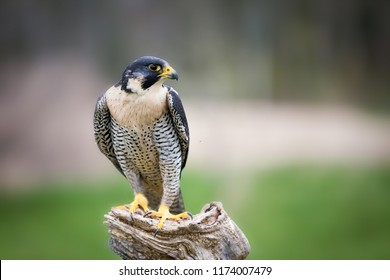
(139, 201)
(163, 213)
(137, 183)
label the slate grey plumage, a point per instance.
(141, 127)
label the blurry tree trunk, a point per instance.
(211, 234)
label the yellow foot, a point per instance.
(163, 214)
(139, 201)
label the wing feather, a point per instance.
(180, 122)
(102, 131)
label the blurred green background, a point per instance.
(287, 101)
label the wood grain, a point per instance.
(211, 234)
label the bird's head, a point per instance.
(144, 72)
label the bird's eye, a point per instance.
(154, 67)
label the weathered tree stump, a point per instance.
(211, 234)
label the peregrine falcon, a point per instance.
(141, 127)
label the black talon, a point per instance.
(147, 214)
(189, 214)
(131, 216)
(155, 233)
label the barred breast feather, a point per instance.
(146, 137)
